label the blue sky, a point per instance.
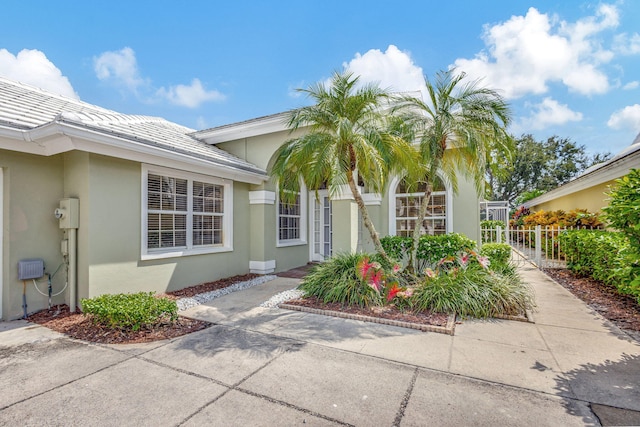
(568, 68)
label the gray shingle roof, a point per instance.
(24, 107)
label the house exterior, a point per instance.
(587, 191)
(125, 203)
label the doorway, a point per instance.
(322, 231)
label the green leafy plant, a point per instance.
(623, 211)
(606, 256)
(337, 280)
(498, 253)
(431, 249)
(472, 291)
(489, 229)
(130, 311)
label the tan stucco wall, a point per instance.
(31, 190)
(114, 228)
(592, 199)
(466, 210)
(259, 150)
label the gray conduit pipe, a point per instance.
(72, 277)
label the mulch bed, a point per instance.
(209, 286)
(77, 325)
(386, 312)
(622, 310)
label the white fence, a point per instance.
(539, 244)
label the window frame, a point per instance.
(302, 239)
(189, 249)
(448, 214)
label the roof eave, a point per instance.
(247, 129)
(56, 137)
(608, 172)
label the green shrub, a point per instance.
(130, 311)
(623, 211)
(397, 247)
(336, 280)
(431, 249)
(489, 229)
(498, 253)
(606, 256)
(473, 292)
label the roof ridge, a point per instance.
(45, 92)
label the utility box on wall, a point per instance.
(30, 269)
(68, 213)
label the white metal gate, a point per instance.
(538, 244)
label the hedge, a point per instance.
(431, 249)
(604, 255)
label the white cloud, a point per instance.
(33, 67)
(191, 96)
(548, 113)
(631, 85)
(293, 91)
(627, 45)
(526, 53)
(202, 123)
(393, 69)
(120, 67)
(626, 118)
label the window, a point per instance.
(407, 206)
(291, 220)
(185, 213)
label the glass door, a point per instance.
(322, 230)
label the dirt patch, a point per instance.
(621, 310)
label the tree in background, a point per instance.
(537, 167)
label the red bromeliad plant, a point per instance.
(384, 284)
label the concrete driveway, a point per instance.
(273, 367)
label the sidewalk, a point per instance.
(260, 366)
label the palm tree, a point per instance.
(458, 129)
(348, 136)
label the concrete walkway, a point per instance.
(259, 366)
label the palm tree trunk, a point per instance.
(424, 205)
(366, 219)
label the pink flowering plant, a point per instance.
(385, 283)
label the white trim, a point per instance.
(393, 185)
(262, 267)
(303, 223)
(1, 238)
(372, 199)
(262, 197)
(344, 193)
(313, 256)
(246, 129)
(55, 138)
(227, 219)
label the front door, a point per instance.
(322, 234)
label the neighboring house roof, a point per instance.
(616, 167)
(245, 129)
(36, 119)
